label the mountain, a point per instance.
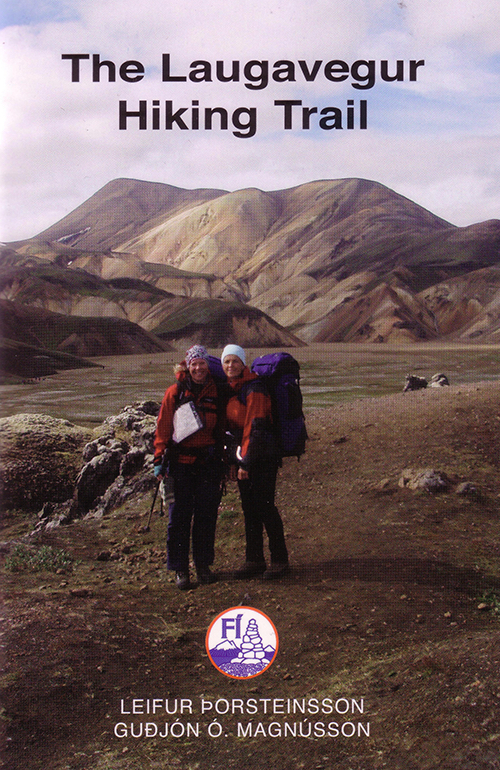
(36, 342)
(216, 323)
(78, 335)
(226, 644)
(122, 209)
(58, 306)
(21, 360)
(330, 260)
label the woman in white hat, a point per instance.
(249, 422)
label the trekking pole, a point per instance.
(163, 476)
(146, 528)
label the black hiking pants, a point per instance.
(193, 514)
(260, 512)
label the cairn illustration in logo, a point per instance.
(242, 642)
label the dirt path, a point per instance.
(389, 622)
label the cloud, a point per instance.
(27, 12)
(434, 139)
(459, 23)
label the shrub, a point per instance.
(45, 558)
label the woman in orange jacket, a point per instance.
(249, 425)
(194, 465)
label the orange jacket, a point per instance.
(206, 401)
(240, 416)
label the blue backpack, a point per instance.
(281, 374)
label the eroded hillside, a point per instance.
(330, 260)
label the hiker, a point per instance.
(194, 464)
(253, 453)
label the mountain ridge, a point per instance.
(328, 260)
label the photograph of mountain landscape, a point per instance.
(321, 178)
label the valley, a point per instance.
(330, 374)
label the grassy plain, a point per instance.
(330, 373)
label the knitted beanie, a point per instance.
(196, 351)
(233, 350)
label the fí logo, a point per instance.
(242, 642)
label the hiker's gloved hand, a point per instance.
(157, 470)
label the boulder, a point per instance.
(65, 471)
(96, 476)
(139, 420)
(438, 380)
(116, 468)
(41, 457)
(414, 382)
(424, 480)
(467, 489)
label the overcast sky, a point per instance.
(434, 139)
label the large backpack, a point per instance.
(216, 370)
(281, 374)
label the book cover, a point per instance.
(381, 647)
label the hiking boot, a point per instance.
(249, 569)
(205, 576)
(182, 580)
(276, 570)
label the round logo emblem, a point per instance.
(242, 642)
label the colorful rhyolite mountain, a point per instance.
(332, 260)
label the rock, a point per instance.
(466, 489)
(63, 513)
(115, 468)
(424, 479)
(135, 417)
(151, 408)
(90, 450)
(438, 380)
(414, 382)
(80, 592)
(66, 471)
(139, 420)
(132, 462)
(121, 490)
(41, 457)
(252, 650)
(96, 476)
(47, 511)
